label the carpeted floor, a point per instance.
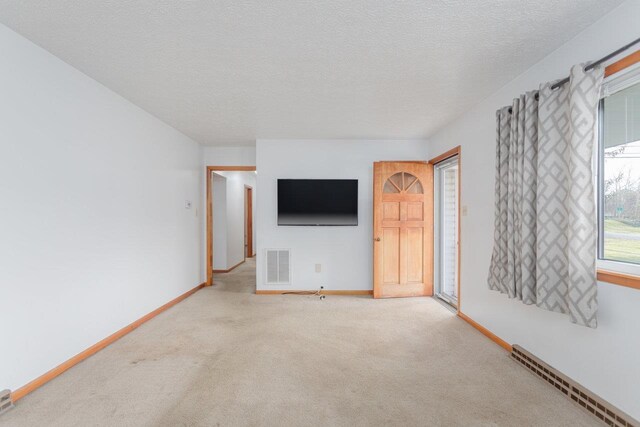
(228, 357)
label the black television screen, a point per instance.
(317, 202)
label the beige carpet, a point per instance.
(227, 357)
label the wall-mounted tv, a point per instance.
(317, 202)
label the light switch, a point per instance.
(464, 211)
(318, 268)
(187, 204)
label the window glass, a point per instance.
(446, 191)
(620, 176)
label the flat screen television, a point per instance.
(317, 202)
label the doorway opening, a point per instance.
(230, 238)
(248, 222)
(446, 184)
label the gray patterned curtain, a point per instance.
(545, 233)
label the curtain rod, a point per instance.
(593, 65)
(598, 62)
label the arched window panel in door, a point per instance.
(403, 182)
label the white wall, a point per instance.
(219, 193)
(229, 156)
(605, 359)
(94, 229)
(229, 220)
(346, 253)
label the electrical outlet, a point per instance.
(318, 268)
(187, 204)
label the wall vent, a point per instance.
(584, 398)
(278, 266)
(5, 401)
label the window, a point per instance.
(446, 230)
(619, 174)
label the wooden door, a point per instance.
(248, 229)
(402, 229)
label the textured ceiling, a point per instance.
(228, 72)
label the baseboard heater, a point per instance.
(584, 398)
(5, 401)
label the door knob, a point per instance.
(377, 239)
